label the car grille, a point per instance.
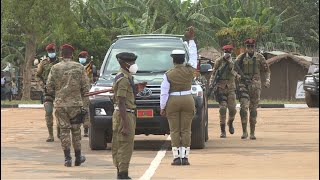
(153, 101)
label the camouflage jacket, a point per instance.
(67, 83)
(44, 68)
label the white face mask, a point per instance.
(133, 68)
(227, 55)
(52, 55)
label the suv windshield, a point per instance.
(153, 53)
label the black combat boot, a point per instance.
(252, 129)
(223, 131)
(123, 175)
(117, 173)
(79, 159)
(185, 161)
(50, 138)
(86, 130)
(231, 129)
(58, 132)
(244, 131)
(176, 162)
(67, 158)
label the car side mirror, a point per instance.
(205, 68)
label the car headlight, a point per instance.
(309, 80)
(98, 88)
(196, 90)
(100, 112)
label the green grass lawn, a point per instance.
(272, 101)
(6, 102)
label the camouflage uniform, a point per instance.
(225, 92)
(253, 68)
(63, 84)
(42, 72)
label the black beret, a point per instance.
(126, 56)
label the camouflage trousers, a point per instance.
(122, 146)
(63, 115)
(48, 107)
(227, 100)
(249, 99)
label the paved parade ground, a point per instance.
(287, 147)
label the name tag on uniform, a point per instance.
(145, 113)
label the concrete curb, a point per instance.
(209, 106)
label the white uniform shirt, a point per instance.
(165, 85)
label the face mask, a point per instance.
(52, 55)
(227, 55)
(82, 60)
(133, 68)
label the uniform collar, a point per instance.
(66, 59)
(178, 65)
(125, 72)
(254, 55)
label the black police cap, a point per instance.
(126, 56)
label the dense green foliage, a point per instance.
(28, 26)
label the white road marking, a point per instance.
(2, 110)
(156, 161)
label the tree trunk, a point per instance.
(27, 73)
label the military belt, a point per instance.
(180, 93)
(128, 110)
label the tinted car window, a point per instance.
(153, 54)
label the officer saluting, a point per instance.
(124, 118)
(176, 101)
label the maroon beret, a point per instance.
(83, 53)
(250, 41)
(50, 46)
(226, 47)
(67, 46)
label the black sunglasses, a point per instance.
(250, 46)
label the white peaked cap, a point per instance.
(178, 51)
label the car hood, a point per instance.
(154, 79)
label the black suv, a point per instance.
(311, 84)
(154, 60)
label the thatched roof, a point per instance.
(210, 53)
(301, 61)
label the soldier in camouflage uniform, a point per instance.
(253, 66)
(224, 78)
(42, 72)
(124, 118)
(83, 55)
(67, 83)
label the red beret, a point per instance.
(226, 47)
(50, 46)
(83, 53)
(67, 46)
(250, 41)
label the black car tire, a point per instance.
(311, 100)
(97, 139)
(198, 132)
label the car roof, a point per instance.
(151, 36)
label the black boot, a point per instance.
(123, 175)
(176, 162)
(67, 158)
(184, 161)
(231, 129)
(117, 173)
(86, 130)
(252, 129)
(79, 159)
(223, 130)
(244, 131)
